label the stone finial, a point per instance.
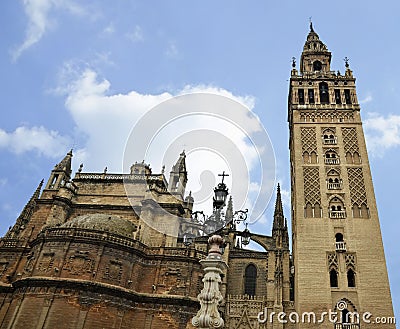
(215, 243)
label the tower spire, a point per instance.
(315, 55)
(26, 213)
(278, 203)
(279, 228)
(61, 172)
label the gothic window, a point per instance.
(323, 93)
(347, 96)
(351, 278)
(311, 99)
(250, 280)
(301, 96)
(338, 98)
(333, 276)
(54, 181)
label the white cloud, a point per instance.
(107, 119)
(368, 98)
(38, 13)
(172, 50)
(109, 29)
(47, 142)
(381, 133)
(136, 35)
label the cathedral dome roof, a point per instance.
(103, 222)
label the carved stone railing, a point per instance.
(96, 235)
(340, 246)
(347, 326)
(118, 176)
(155, 182)
(329, 141)
(337, 214)
(332, 161)
(334, 186)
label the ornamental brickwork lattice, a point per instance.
(358, 194)
(350, 142)
(312, 193)
(309, 140)
(333, 261)
(350, 260)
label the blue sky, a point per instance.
(71, 70)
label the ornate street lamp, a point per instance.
(220, 193)
(218, 220)
(245, 236)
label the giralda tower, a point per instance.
(337, 245)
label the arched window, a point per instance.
(345, 316)
(308, 210)
(331, 157)
(333, 276)
(351, 278)
(317, 66)
(250, 278)
(339, 237)
(317, 210)
(364, 211)
(323, 93)
(337, 209)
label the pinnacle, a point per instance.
(278, 202)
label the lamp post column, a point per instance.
(210, 296)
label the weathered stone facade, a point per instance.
(101, 250)
(106, 251)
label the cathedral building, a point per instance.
(106, 250)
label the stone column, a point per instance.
(210, 297)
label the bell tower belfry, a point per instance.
(338, 255)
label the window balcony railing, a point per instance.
(337, 214)
(332, 161)
(330, 141)
(340, 246)
(347, 326)
(334, 186)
